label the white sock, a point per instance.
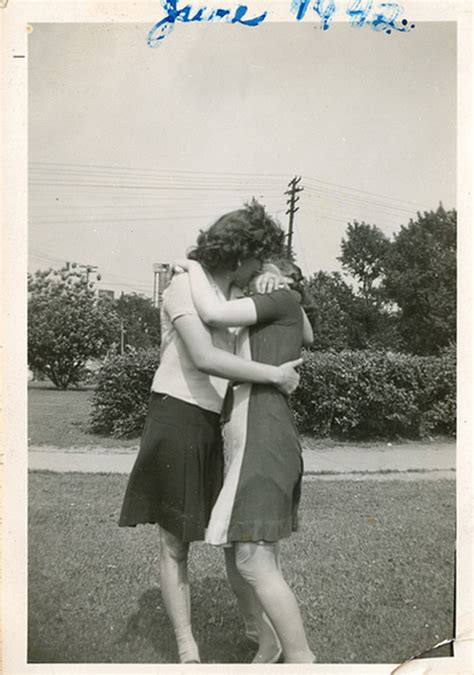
(187, 647)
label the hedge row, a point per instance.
(361, 394)
(352, 394)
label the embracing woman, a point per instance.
(178, 471)
(257, 506)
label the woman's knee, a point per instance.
(256, 558)
(250, 562)
(173, 547)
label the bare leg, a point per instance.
(256, 622)
(243, 593)
(176, 595)
(258, 564)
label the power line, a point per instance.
(346, 187)
(112, 219)
(318, 192)
(148, 169)
(158, 181)
(354, 199)
(168, 178)
(351, 217)
(55, 185)
(337, 195)
(213, 174)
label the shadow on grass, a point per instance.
(215, 622)
(147, 635)
(372, 568)
(151, 624)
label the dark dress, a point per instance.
(262, 452)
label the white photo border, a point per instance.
(15, 18)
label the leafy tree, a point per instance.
(341, 319)
(363, 253)
(374, 320)
(67, 324)
(420, 277)
(328, 298)
(141, 320)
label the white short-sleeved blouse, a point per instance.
(177, 375)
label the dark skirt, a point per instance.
(177, 475)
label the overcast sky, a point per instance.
(134, 149)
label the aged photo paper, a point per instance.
(90, 133)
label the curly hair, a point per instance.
(246, 233)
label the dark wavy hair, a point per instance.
(246, 233)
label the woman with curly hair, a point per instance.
(257, 506)
(178, 471)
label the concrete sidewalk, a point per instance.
(409, 461)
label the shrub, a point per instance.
(368, 394)
(438, 396)
(351, 394)
(120, 401)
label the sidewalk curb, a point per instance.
(334, 464)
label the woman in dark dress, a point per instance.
(178, 471)
(257, 506)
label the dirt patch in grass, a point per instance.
(372, 566)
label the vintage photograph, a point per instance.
(242, 258)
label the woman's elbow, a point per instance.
(202, 360)
(210, 319)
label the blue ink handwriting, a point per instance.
(379, 16)
(189, 15)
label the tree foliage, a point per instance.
(363, 254)
(141, 321)
(343, 319)
(420, 277)
(329, 297)
(67, 324)
(364, 251)
(404, 292)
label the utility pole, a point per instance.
(161, 278)
(293, 198)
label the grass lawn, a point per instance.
(372, 566)
(61, 418)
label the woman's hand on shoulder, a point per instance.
(267, 282)
(181, 265)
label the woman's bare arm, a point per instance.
(213, 361)
(214, 312)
